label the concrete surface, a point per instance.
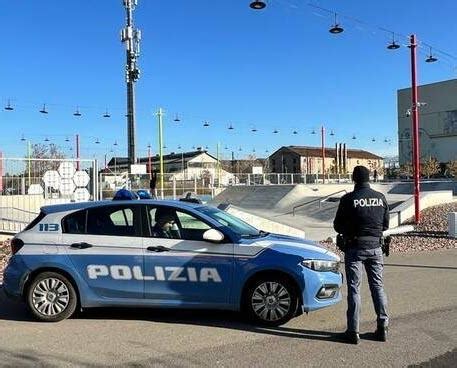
(421, 289)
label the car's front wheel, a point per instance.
(270, 301)
(51, 297)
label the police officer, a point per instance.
(361, 218)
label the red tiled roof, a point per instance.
(330, 152)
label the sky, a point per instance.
(216, 61)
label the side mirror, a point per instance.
(213, 235)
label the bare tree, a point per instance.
(42, 154)
(430, 167)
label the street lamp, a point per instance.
(257, 5)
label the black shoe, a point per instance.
(352, 337)
(381, 333)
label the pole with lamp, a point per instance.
(160, 132)
(415, 128)
(323, 153)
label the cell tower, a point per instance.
(131, 36)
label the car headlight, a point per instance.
(321, 265)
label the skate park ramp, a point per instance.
(312, 208)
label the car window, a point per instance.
(112, 220)
(190, 222)
(122, 217)
(75, 223)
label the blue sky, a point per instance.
(213, 61)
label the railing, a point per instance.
(320, 200)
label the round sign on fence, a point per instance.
(81, 178)
(81, 195)
(66, 170)
(52, 179)
(67, 186)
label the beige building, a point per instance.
(308, 160)
(437, 122)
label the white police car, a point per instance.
(124, 253)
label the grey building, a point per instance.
(437, 122)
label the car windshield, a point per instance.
(235, 224)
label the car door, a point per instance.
(105, 246)
(186, 269)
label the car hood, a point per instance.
(296, 246)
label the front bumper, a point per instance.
(314, 296)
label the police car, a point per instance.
(102, 254)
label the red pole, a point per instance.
(323, 153)
(149, 162)
(415, 129)
(77, 152)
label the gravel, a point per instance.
(431, 234)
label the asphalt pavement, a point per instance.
(422, 292)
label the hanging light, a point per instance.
(373, 140)
(393, 45)
(257, 5)
(240, 149)
(294, 132)
(336, 28)
(43, 110)
(23, 138)
(46, 139)
(115, 143)
(97, 141)
(206, 147)
(226, 147)
(254, 130)
(275, 131)
(77, 113)
(67, 140)
(353, 137)
(431, 58)
(386, 140)
(206, 124)
(176, 119)
(313, 132)
(231, 127)
(253, 150)
(106, 114)
(8, 107)
(179, 146)
(164, 147)
(331, 133)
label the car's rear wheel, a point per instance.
(270, 301)
(51, 297)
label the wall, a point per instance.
(437, 122)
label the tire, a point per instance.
(51, 297)
(270, 301)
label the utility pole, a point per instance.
(77, 152)
(160, 115)
(415, 128)
(131, 37)
(323, 153)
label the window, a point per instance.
(112, 220)
(35, 221)
(75, 223)
(190, 222)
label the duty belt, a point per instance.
(367, 238)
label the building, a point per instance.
(247, 166)
(180, 166)
(308, 160)
(437, 122)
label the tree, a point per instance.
(451, 168)
(406, 169)
(430, 167)
(43, 157)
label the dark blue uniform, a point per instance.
(361, 218)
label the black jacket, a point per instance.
(362, 213)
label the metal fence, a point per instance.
(28, 184)
(286, 178)
(173, 188)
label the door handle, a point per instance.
(81, 245)
(159, 248)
